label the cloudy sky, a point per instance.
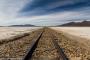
(43, 12)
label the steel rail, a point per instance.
(33, 46)
(60, 50)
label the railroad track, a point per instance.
(16, 48)
(33, 46)
(61, 52)
(42, 44)
(44, 47)
(39, 45)
(5, 41)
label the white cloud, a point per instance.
(50, 19)
(9, 10)
(61, 3)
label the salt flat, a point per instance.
(83, 32)
(8, 32)
(77, 41)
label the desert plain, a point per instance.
(75, 41)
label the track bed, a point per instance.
(43, 44)
(17, 48)
(47, 48)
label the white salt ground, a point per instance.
(83, 32)
(8, 32)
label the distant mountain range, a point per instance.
(83, 23)
(26, 25)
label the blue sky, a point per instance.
(43, 12)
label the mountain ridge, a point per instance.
(25, 25)
(83, 23)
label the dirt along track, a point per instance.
(37, 45)
(42, 44)
(17, 47)
(73, 49)
(48, 48)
